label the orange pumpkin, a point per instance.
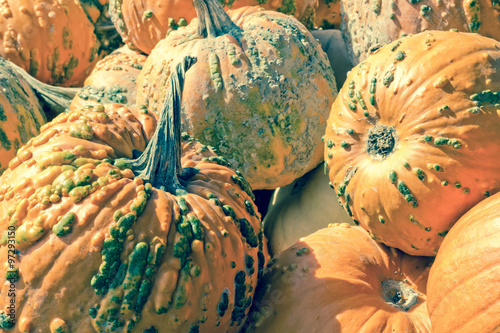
(260, 92)
(463, 287)
(368, 26)
(339, 280)
(413, 139)
(113, 80)
(109, 238)
(143, 23)
(52, 40)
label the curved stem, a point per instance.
(213, 20)
(160, 163)
(54, 99)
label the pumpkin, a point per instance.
(338, 279)
(52, 40)
(300, 208)
(113, 80)
(332, 43)
(463, 288)
(143, 23)
(327, 15)
(21, 114)
(98, 13)
(260, 92)
(412, 141)
(129, 228)
(368, 26)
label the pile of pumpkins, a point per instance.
(250, 166)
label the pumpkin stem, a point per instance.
(54, 99)
(160, 163)
(399, 294)
(382, 141)
(213, 20)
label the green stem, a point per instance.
(160, 163)
(54, 99)
(213, 20)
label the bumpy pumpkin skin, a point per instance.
(340, 280)
(52, 40)
(113, 80)
(21, 114)
(413, 140)
(262, 102)
(367, 26)
(143, 23)
(62, 270)
(463, 289)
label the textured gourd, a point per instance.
(327, 15)
(113, 80)
(413, 140)
(51, 39)
(143, 23)
(340, 280)
(260, 92)
(168, 241)
(367, 26)
(21, 114)
(301, 208)
(463, 286)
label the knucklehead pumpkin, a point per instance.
(117, 226)
(260, 92)
(412, 141)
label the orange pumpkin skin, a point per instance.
(52, 40)
(412, 140)
(463, 288)
(367, 27)
(340, 280)
(143, 23)
(194, 258)
(327, 15)
(113, 80)
(262, 104)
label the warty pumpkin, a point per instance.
(463, 287)
(260, 92)
(113, 80)
(301, 208)
(367, 26)
(340, 280)
(143, 23)
(413, 139)
(120, 227)
(51, 39)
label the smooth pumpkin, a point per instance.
(260, 92)
(53, 40)
(143, 23)
(340, 280)
(463, 287)
(301, 208)
(327, 14)
(413, 140)
(113, 80)
(121, 227)
(334, 46)
(366, 26)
